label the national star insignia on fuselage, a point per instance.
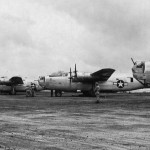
(120, 83)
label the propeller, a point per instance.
(133, 61)
(70, 73)
(75, 71)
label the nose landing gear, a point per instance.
(30, 93)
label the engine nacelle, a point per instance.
(141, 71)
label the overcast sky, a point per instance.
(38, 37)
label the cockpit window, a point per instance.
(42, 78)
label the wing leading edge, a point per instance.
(101, 75)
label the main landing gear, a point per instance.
(58, 93)
(89, 93)
(12, 92)
(30, 93)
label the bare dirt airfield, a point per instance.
(120, 122)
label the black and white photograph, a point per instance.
(74, 74)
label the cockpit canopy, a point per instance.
(42, 78)
(62, 74)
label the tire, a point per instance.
(89, 93)
(13, 92)
(58, 93)
(28, 93)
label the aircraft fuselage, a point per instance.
(115, 83)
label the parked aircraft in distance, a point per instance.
(109, 80)
(16, 84)
(141, 72)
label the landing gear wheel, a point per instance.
(28, 93)
(12, 92)
(89, 93)
(92, 94)
(58, 93)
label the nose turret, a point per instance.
(41, 81)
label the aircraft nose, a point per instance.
(37, 86)
(133, 69)
(41, 81)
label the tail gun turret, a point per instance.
(141, 72)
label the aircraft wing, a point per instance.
(12, 81)
(101, 75)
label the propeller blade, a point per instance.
(70, 75)
(75, 71)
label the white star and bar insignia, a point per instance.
(120, 83)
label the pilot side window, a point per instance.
(42, 78)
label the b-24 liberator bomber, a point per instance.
(16, 84)
(108, 79)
